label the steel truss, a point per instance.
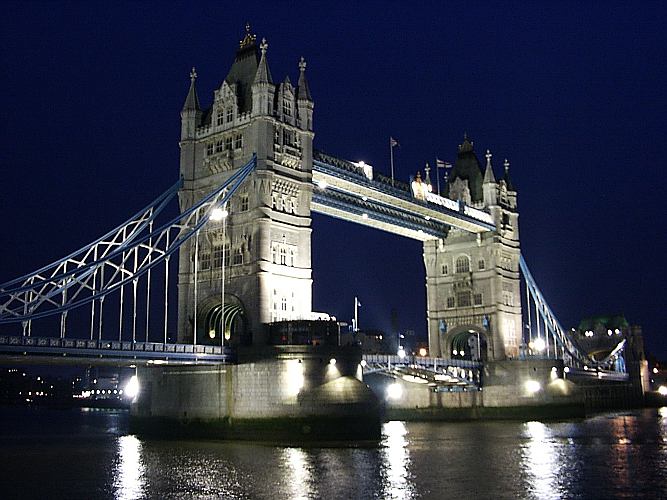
(107, 265)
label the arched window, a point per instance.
(287, 107)
(481, 265)
(283, 256)
(463, 264)
(238, 257)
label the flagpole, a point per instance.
(356, 315)
(437, 173)
(391, 156)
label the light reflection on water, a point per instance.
(542, 461)
(129, 478)
(89, 455)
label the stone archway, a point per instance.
(210, 325)
(467, 342)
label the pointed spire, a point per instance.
(506, 178)
(303, 91)
(263, 74)
(488, 174)
(427, 176)
(192, 100)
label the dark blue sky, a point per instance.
(573, 93)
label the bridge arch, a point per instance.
(468, 342)
(210, 325)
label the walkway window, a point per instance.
(463, 264)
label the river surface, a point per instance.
(89, 454)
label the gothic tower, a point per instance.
(472, 281)
(264, 242)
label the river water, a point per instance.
(89, 454)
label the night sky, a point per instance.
(574, 94)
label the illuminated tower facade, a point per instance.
(262, 248)
(472, 280)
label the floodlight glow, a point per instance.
(539, 345)
(401, 352)
(532, 386)
(423, 352)
(132, 387)
(363, 363)
(332, 361)
(394, 391)
(217, 214)
(662, 390)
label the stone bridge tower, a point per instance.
(264, 243)
(472, 281)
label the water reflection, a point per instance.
(129, 480)
(299, 470)
(541, 461)
(396, 460)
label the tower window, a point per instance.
(219, 117)
(228, 251)
(450, 303)
(238, 257)
(481, 265)
(228, 143)
(218, 146)
(244, 202)
(463, 264)
(477, 298)
(217, 256)
(230, 114)
(287, 107)
(283, 304)
(445, 269)
(283, 256)
(463, 299)
(209, 149)
(238, 141)
(205, 261)
(291, 257)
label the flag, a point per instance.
(442, 163)
(393, 142)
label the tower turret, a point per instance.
(489, 186)
(304, 99)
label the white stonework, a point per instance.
(267, 234)
(472, 281)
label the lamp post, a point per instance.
(219, 214)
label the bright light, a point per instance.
(455, 352)
(532, 386)
(401, 352)
(217, 214)
(609, 332)
(566, 369)
(332, 361)
(662, 390)
(211, 333)
(322, 184)
(423, 351)
(539, 345)
(655, 370)
(295, 378)
(363, 363)
(394, 391)
(364, 216)
(132, 387)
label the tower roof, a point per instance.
(192, 100)
(303, 92)
(466, 167)
(243, 70)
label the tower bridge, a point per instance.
(250, 180)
